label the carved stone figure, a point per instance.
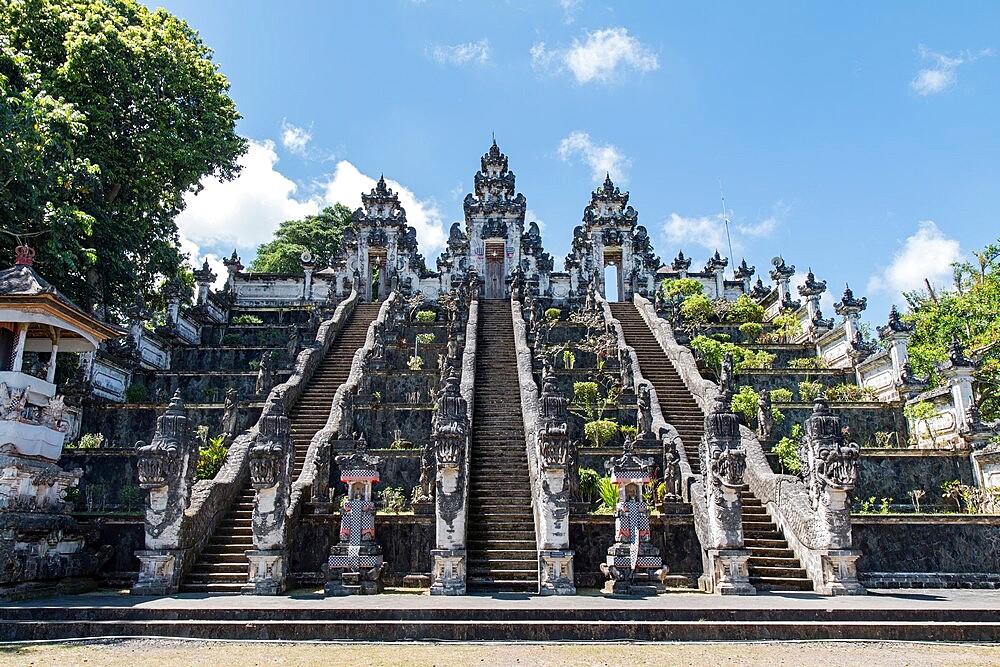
(230, 413)
(265, 374)
(644, 415)
(12, 401)
(765, 418)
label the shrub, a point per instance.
(808, 363)
(786, 327)
(552, 314)
(247, 319)
(415, 363)
(698, 309)
(781, 396)
(714, 351)
(684, 286)
(129, 495)
(751, 331)
(850, 392)
(809, 391)
(600, 431)
(231, 339)
(392, 499)
(426, 316)
(90, 441)
(628, 431)
(787, 450)
(608, 493)
(569, 359)
(756, 359)
(586, 399)
(136, 393)
(745, 310)
(721, 337)
(211, 457)
(426, 338)
(589, 479)
(745, 403)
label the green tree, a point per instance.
(320, 234)
(968, 311)
(151, 116)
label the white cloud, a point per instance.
(569, 8)
(603, 159)
(243, 212)
(943, 75)
(462, 54)
(928, 253)
(530, 216)
(707, 232)
(347, 184)
(601, 57)
(295, 139)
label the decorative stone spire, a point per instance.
(681, 263)
(716, 263)
(744, 271)
(848, 305)
(24, 255)
(894, 326)
(812, 287)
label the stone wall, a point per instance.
(863, 419)
(786, 378)
(893, 474)
(106, 472)
(123, 424)
(928, 551)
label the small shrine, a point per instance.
(634, 566)
(355, 564)
(40, 541)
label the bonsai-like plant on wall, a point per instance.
(600, 431)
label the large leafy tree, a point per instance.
(320, 234)
(137, 114)
(968, 311)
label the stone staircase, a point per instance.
(222, 565)
(502, 551)
(773, 565)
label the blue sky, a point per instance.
(859, 139)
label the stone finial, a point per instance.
(24, 255)
(848, 305)
(716, 263)
(781, 270)
(681, 263)
(759, 291)
(956, 356)
(744, 271)
(812, 287)
(895, 325)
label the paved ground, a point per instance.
(398, 599)
(175, 653)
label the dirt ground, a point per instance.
(173, 653)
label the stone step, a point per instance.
(781, 584)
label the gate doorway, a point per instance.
(495, 287)
(612, 274)
(377, 278)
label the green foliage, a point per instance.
(318, 234)
(807, 363)
(715, 351)
(136, 393)
(587, 399)
(745, 310)
(130, 496)
(628, 431)
(426, 316)
(873, 505)
(231, 339)
(781, 396)
(751, 331)
(786, 327)
(787, 450)
(552, 314)
(589, 480)
(921, 414)
(809, 391)
(90, 441)
(608, 494)
(600, 431)
(392, 498)
(745, 403)
(684, 286)
(756, 359)
(972, 499)
(426, 338)
(211, 457)
(111, 113)
(850, 392)
(698, 309)
(247, 319)
(569, 359)
(415, 363)
(968, 310)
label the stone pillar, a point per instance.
(724, 464)
(555, 454)
(167, 469)
(811, 290)
(781, 274)
(681, 264)
(745, 273)
(717, 266)
(22, 336)
(308, 264)
(850, 309)
(450, 441)
(355, 565)
(633, 565)
(958, 372)
(830, 473)
(897, 334)
(204, 278)
(50, 371)
(233, 266)
(271, 459)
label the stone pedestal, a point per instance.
(730, 573)
(555, 569)
(268, 572)
(159, 571)
(840, 573)
(448, 572)
(422, 507)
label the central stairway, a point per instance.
(501, 543)
(773, 565)
(222, 565)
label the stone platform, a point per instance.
(947, 615)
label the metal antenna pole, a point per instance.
(725, 220)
